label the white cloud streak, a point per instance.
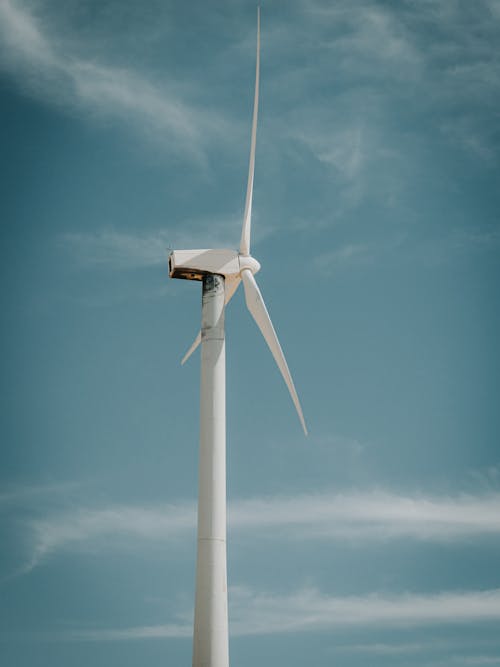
(84, 529)
(347, 255)
(466, 661)
(309, 610)
(47, 68)
(167, 631)
(356, 254)
(12, 496)
(118, 250)
(377, 515)
(430, 61)
(432, 652)
(364, 516)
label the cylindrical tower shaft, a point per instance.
(210, 639)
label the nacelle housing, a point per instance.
(194, 264)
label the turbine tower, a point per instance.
(221, 272)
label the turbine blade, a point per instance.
(258, 310)
(193, 347)
(247, 217)
(230, 289)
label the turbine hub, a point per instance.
(248, 262)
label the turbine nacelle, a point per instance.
(194, 264)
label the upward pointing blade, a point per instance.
(257, 308)
(247, 217)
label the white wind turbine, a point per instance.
(221, 272)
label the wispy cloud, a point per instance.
(117, 250)
(470, 649)
(167, 631)
(356, 254)
(457, 244)
(395, 648)
(309, 610)
(372, 35)
(114, 249)
(356, 516)
(453, 245)
(345, 150)
(46, 65)
(347, 255)
(466, 661)
(377, 515)
(86, 528)
(15, 495)
(394, 71)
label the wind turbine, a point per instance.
(221, 272)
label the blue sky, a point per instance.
(125, 131)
